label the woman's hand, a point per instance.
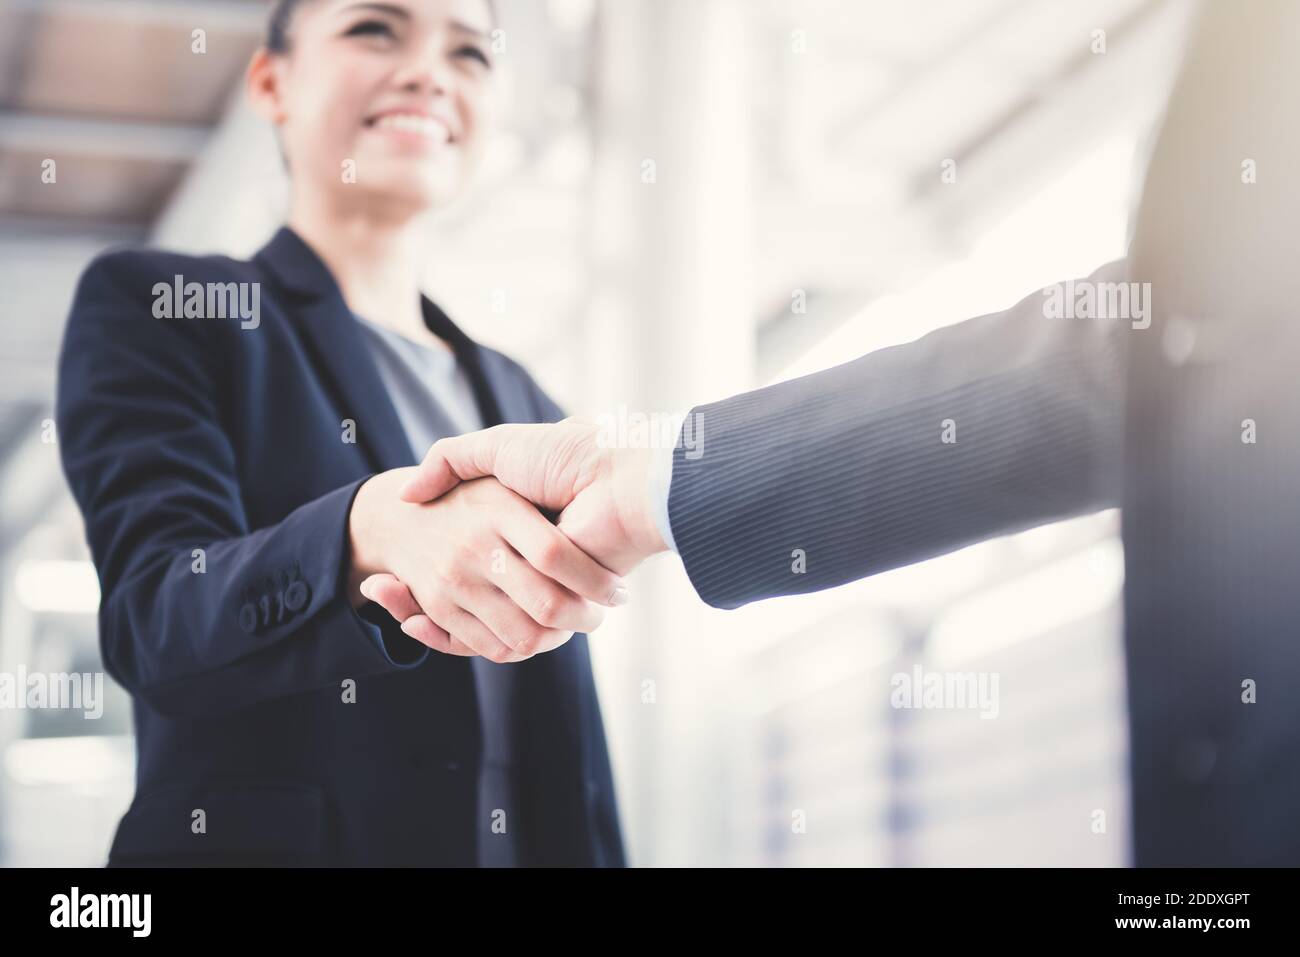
(478, 571)
(602, 492)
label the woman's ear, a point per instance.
(262, 81)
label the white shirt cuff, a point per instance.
(661, 477)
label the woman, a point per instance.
(237, 470)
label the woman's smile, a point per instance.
(413, 127)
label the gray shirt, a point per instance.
(434, 398)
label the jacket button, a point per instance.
(248, 618)
(297, 596)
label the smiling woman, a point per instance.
(270, 689)
(398, 94)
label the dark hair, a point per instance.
(277, 32)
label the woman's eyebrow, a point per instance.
(466, 28)
(405, 14)
(389, 8)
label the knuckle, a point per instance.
(549, 608)
(527, 646)
(539, 640)
(454, 567)
(436, 454)
(550, 553)
(526, 636)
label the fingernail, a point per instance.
(365, 589)
(619, 596)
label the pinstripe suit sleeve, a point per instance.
(850, 464)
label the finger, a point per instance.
(448, 462)
(394, 597)
(464, 626)
(545, 602)
(423, 630)
(508, 622)
(549, 551)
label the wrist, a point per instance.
(365, 538)
(636, 513)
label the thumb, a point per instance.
(447, 463)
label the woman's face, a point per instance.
(388, 100)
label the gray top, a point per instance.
(434, 398)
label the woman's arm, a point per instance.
(199, 612)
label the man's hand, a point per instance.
(479, 571)
(601, 493)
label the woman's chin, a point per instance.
(412, 194)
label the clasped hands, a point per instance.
(457, 550)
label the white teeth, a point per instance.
(412, 123)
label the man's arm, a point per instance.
(976, 430)
(980, 429)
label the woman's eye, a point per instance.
(370, 28)
(474, 53)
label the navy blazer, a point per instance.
(215, 464)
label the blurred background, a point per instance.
(829, 178)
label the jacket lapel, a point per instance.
(483, 374)
(331, 334)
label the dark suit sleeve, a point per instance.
(263, 612)
(849, 468)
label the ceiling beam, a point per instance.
(236, 15)
(53, 135)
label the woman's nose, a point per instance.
(426, 73)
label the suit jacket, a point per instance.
(1057, 417)
(851, 465)
(215, 466)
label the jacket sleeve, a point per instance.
(199, 613)
(976, 430)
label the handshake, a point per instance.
(459, 551)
